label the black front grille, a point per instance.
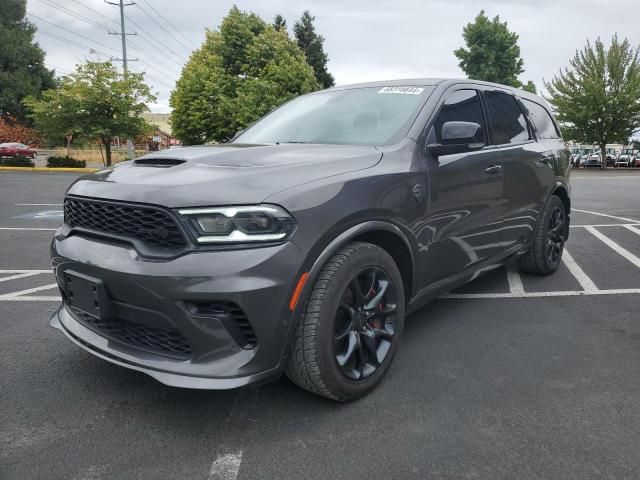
(156, 340)
(233, 318)
(153, 226)
(157, 162)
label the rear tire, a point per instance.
(351, 325)
(545, 252)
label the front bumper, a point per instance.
(258, 281)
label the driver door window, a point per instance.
(460, 106)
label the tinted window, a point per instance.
(542, 120)
(356, 116)
(509, 123)
(460, 106)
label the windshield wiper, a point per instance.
(290, 141)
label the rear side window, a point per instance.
(509, 123)
(542, 120)
(460, 106)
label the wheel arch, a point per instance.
(381, 233)
(562, 191)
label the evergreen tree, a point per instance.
(279, 23)
(312, 45)
(22, 69)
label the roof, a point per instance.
(160, 120)
(411, 82)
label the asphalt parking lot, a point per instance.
(512, 376)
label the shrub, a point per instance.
(18, 161)
(65, 162)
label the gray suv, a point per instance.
(300, 246)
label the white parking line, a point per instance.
(583, 279)
(567, 293)
(25, 271)
(614, 246)
(20, 294)
(18, 275)
(606, 215)
(633, 228)
(26, 229)
(626, 225)
(515, 282)
(226, 466)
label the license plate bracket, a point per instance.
(87, 294)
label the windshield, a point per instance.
(361, 116)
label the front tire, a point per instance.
(351, 325)
(545, 252)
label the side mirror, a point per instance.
(458, 137)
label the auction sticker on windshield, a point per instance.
(402, 90)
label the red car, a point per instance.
(15, 149)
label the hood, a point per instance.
(223, 174)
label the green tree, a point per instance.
(22, 69)
(239, 74)
(279, 23)
(312, 45)
(95, 102)
(492, 53)
(597, 98)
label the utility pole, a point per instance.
(124, 59)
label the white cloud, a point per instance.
(365, 39)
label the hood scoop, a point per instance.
(157, 162)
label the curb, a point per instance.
(47, 169)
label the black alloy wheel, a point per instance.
(350, 329)
(365, 323)
(547, 240)
(555, 235)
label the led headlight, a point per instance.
(241, 224)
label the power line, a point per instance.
(162, 28)
(79, 16)
(71, 32)
(158, 71)
(153, 78)
(71, 42)
(76, 15)
(168, 23)
(95, 11)
(150, 55)
(90, 21)
(158, 42)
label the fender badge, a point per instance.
(418, 192)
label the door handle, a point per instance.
(493, 169)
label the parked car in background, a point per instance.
(16, 149)
(611, 157)
(594, 159)
(579, 156)
(625, 158)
